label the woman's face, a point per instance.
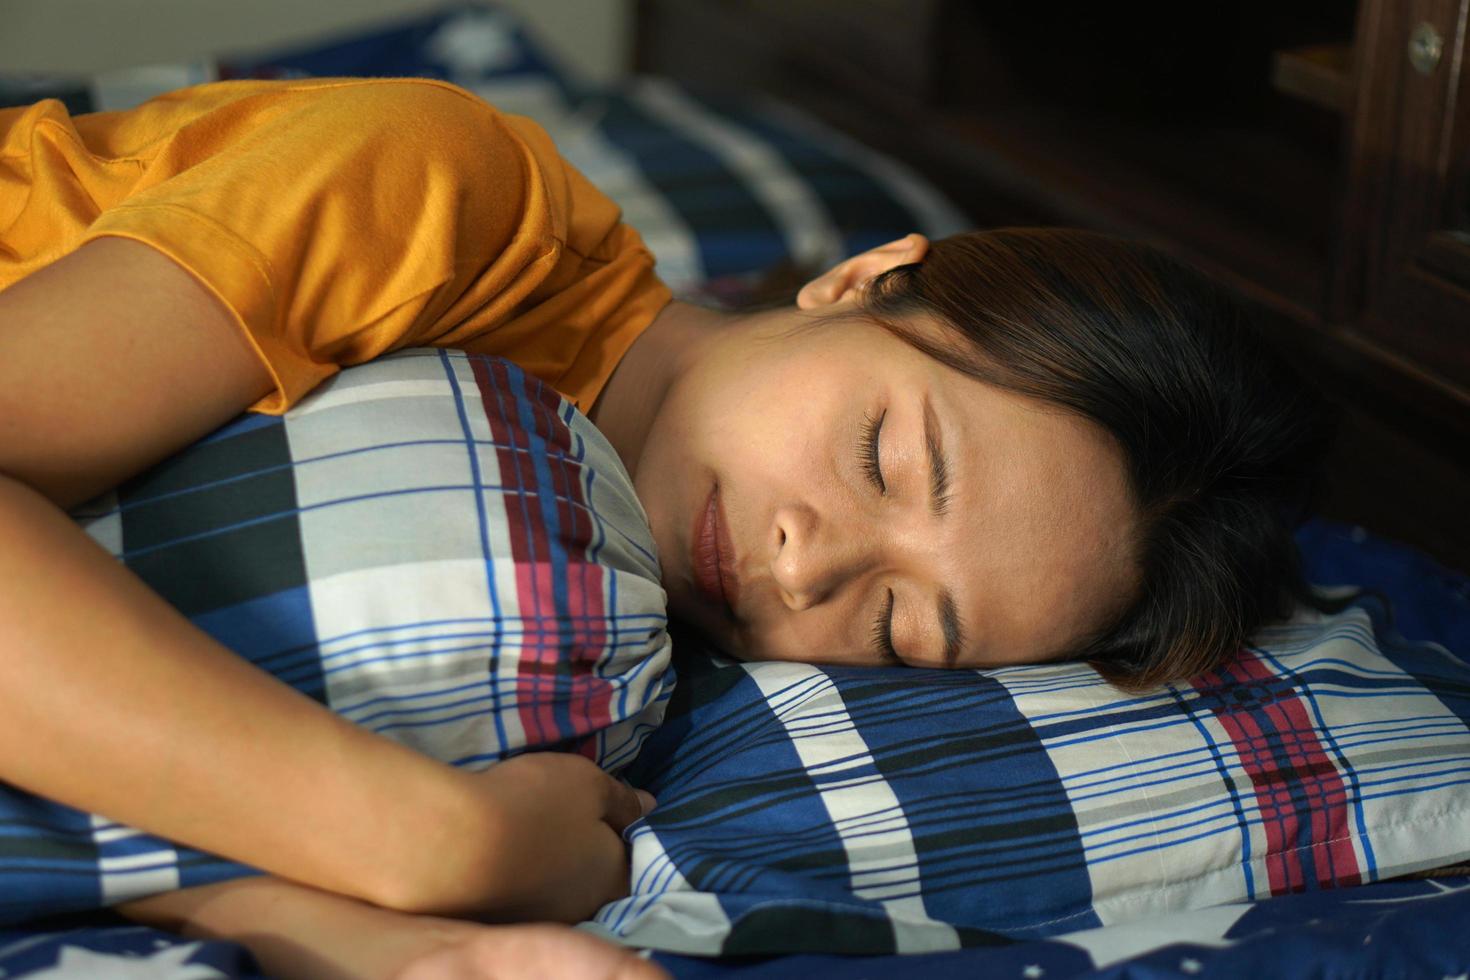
(829, 494)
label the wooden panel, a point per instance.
(1419, 276)
(1399, 466)
(1366, 168)
(863, 46)
(1319, 74)
(1399, 488)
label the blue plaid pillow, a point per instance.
(435, 545)
(862, 810)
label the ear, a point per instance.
(844, 281)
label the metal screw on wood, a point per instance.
(1425, 47)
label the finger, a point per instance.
(621, 886)
(624, 804)
(605, 876)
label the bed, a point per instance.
(1304, 811)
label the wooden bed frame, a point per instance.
(1284, 151)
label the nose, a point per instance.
(814, 557)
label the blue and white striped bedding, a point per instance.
(878, 811)
(1033, 815)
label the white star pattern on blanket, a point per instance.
(166, 964)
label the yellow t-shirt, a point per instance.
(343, 218)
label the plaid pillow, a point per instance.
(862, 810)
(435, 545)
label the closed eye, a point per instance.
(868, 450)
(883, 635)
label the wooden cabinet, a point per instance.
(1314, 155)
(1412, 156)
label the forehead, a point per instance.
(1040, 541)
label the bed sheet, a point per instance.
(1406, 929)
(1393, 929)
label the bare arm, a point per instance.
(297, 932)
(110, 359)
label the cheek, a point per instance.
(660, 507)
(829, 635)
(790, 386)
(665, 478)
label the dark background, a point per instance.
(1294, 151)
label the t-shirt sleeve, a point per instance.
(340, 220)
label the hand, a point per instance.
(555, 850)
(532, 952)
(300, 933)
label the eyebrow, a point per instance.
(939, 497)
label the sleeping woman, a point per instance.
(1003, 447)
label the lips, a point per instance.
(714, 554)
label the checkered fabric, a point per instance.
(863, 810)
(435, 545)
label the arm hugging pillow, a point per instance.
(434, 545)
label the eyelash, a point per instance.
(883, 635)
(868, 450)
(872, 465)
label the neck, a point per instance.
(628, 404)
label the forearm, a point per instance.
(296, 931)
(114, 703)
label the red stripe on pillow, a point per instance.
(1300, 795)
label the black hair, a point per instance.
(1223, 443)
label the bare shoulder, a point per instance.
(111, 358)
